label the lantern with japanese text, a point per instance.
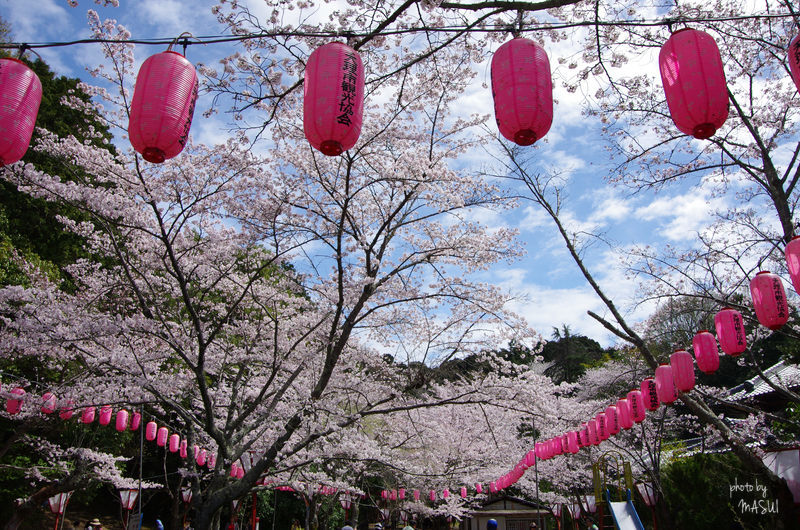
(730, 331)
(14, 403)
(602, 426)
(794, 60)
(665, 384)
(705, 352)
(122, 420)
(682, 366)
(150, 431)
(523, 91)
(612, 420)
(105, 415)
(161, 436)
(694, 82)
(572, 442)
(769, 300)
(624, 413)
(162, 106)
(583, 436)
(649, 394)
(333, 98)
(592, 429)
(174, 442)
(136, 420)
(48, 403)
(20, 96)
(636, 403)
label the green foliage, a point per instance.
(788, 432)
(570, 355)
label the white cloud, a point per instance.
(682, 216)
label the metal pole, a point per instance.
(141, 458)
(56, 527)
(536, 473)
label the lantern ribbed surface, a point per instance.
(602, 426)
(20, 97)
(769, 300)
(66, 411)
(665, 384)
(183, 450)
(794, 60)
(333, 98)
(682, 366)
(522, 89)
(612, 421)
(792, 254)
(161, 436)
(572, 442)
(636, 402)
(136, 420)
(174, 442)
(200, 457)
(705, 352)
(624, 413)
(150, 431)
(162, 106)
(694, 82)
(14, 404)
(649, 394)
(48, 403)
(729, 325)
(591, 426)
(122, 420)
(88, 415)
(105, 414)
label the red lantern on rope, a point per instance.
(612, 420)
(161, 436)
(730, 331)
(572, 442)
(602, 426)
(183, 449)
(769, 300)
(624, 413)
(20, 96)
(583, 437)
(174, 442)
(592, 429)
(682, 366)
(105, 415)
(150, 431)
(432, 495)
(333, 98)
(88, 415)
(478, 488)
(636, 403)
(122, 420)
(48, 403)
(136, 420)
(794, 60)
(200, 457)
(705, 352)
(162, 106)
(446, 493)
(694, 82)
(665, 384)
(792, 251)
(66, 411)
(416, 495)
(649, 394)
(401, 494)
(522, 90)
(14, 404)
(463, 492)
(530, 459)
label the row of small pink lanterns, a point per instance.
(166, 92)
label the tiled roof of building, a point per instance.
(782, 374)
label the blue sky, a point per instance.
(552, 291)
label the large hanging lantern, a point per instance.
(665, 384)
(105, 415)
(66, 411)
(48, 403)
(624, 413)
(592, 429)
(523, 91)
(184, 449)
(14, 404)
(162, 106)
(792, 254)
(794, 60)
(150, 431)
(174, 442)
(637, 405)
(583, 436)
(333, 98)
(694, 82)
(730, 331)
(769, 300)
(88, 415)
(705, 352)
(20, 96)
(682, 366)
(136, 420)
(649, 394)
(612, 420)
(572, 442)
(211, 461)
(161, 436)
(200, 457)
(602, 426)
(122, 420)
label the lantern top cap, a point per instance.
(796, 237)
(763, 272)
(703, 331)
(14, 59)
(676, 350)
(173, 51)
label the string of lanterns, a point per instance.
(166, 91)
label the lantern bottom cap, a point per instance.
(704, 131)
(154, 155)
(525, 137)
(331, 148)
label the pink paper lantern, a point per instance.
(583, 436)
(794, 60)
(432, 495)
(522, 90)
(602, 427)
(234, 470)
(161, 436)
(624, 413)
(705, 352)
(730, 331)
(105, 414)
(416, 495)
(183, 449)
(557, 446)
(20, 96)
(649, 394)
(66, 410)
(792, 252)
(174, 442)
(200, 457)
(48, 403)
(333, 98)
(769, 300)
(694, 82)
(463, 492)
(592, 429)
(384, 494)
(636, 403)
(122, 420)
(393, 495)
(530, 458)
(572, 442)
(665, 384)
(88, 415)
(14, 404)
(150, 431)
(162, 106)
(136, 420)
(211, 461)
(478, 488)
(401, 494)
(612, 420)
(682, 366)
(446, 493)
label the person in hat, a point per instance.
(95, 524)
